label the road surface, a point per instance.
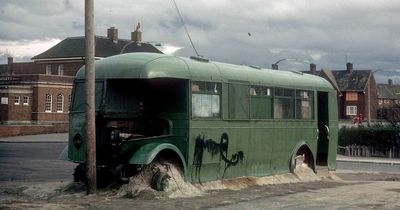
(32, 177)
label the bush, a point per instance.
(379, 137)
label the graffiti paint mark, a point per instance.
(214, 148)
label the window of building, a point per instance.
(25, 100)
(60, 102)
(351, 110)
(47, 104)
(48, 69)
(4, 100)
(69, 102)
(61, 70)
(206, 98)
(17, 100)
(351, 96)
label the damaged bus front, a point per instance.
(138, 121)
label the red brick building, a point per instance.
(35, 96)
(357, 91)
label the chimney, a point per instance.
(390, 81)
(136, 36)
(313, 68)
(10, 64)
(275, 66)
(112, 33)
(349, 67)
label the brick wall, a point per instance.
(3, 108)
(16, 130)
(39, 112)
(25, 68)
(70, 67)
(32, 81)
(17, 108)
(21, 111)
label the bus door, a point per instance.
(323, 128)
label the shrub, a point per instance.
(380, 137)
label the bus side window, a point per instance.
(304, 104)
(239, 101)
(284, 103)
(206, 99)
(261, 102)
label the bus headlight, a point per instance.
(115, 138)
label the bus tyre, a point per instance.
(160, 181)
(80, 173)
(165, 175)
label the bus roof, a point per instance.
(152, 65)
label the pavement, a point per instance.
(392, 161)
(41, 138)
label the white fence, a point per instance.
(365, 151)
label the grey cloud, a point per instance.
(366, 31)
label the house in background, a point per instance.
(326, 74)
(389, 101)
(35, 96)
(357, 91)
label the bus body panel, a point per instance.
(240, 137)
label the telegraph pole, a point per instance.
(90, 110)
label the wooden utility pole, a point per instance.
(90, 109)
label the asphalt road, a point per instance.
(37, 164)
(34, 162)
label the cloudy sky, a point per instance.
(258, 32)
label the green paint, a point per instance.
(234, 132)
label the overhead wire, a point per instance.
(184, 26)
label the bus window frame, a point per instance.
(100, 100)
(219, 93)
(291, 97)
(269, 95)
(311, 94)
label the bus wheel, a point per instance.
(80, 173)
(164, 176)
(160, 181)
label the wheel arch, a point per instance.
(300, 148)
(149, 152)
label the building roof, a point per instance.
(151, 65)
(354, 80)
(74, 47)
(387, 91)
(327, 74)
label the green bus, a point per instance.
(211, 120)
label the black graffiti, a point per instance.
(214, 148)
